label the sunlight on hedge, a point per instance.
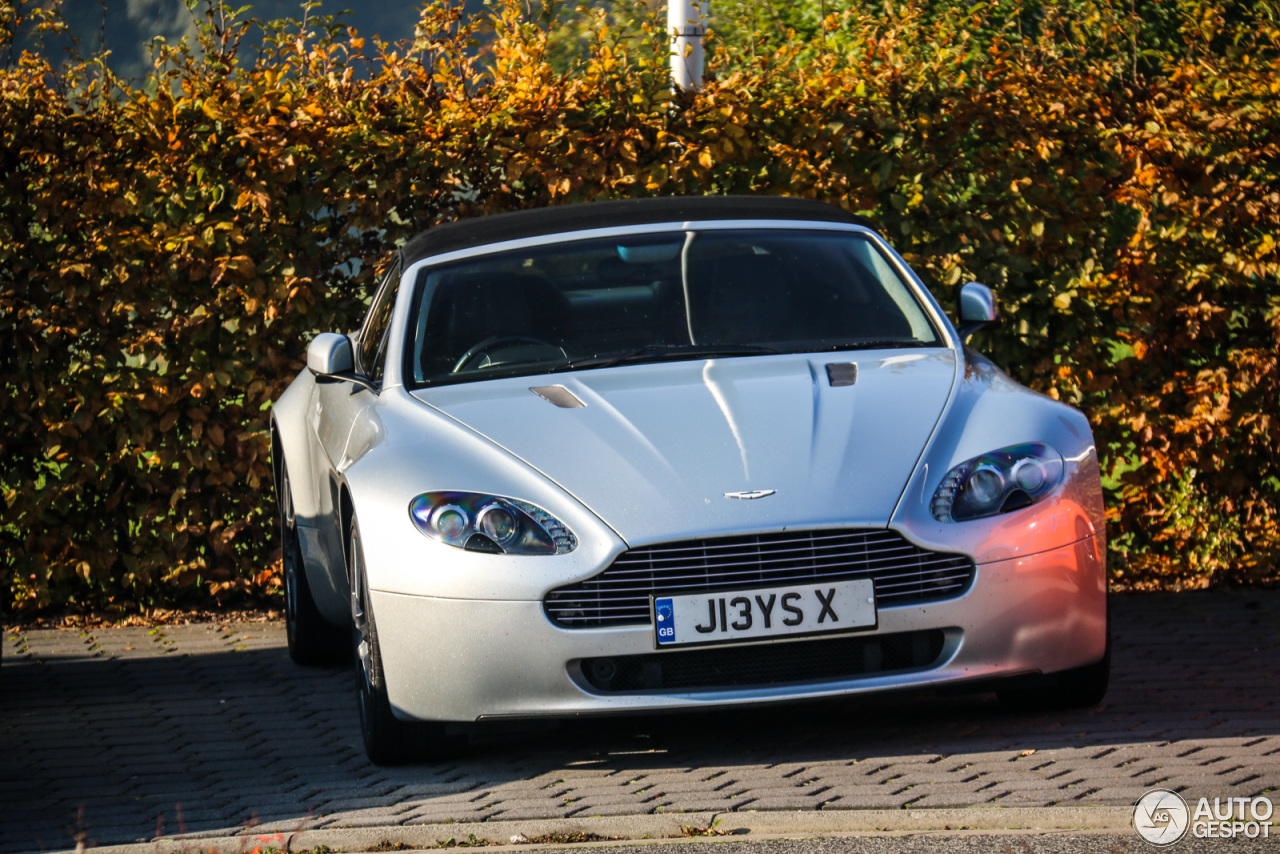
(168, 246)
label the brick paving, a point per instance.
(122, 735)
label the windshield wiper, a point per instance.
(871, 344)
(664, 352)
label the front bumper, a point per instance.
(462, 659)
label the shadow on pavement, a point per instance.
(123, 735)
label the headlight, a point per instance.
(998, 482)
(489, 523)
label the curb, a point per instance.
(645, 829)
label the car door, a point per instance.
(341, 420)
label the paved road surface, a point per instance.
(959, 844)
(127, 734)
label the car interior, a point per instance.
(791, 292)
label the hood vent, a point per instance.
(842, 374)
(559, 395)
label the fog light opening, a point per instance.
(602, 670)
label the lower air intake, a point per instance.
(762, 665)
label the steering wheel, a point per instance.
(489, 343)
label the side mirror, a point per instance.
(329, 357)
(977, 309)
(330, 353)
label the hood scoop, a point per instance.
(559, 395)
(842, 374)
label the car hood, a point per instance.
(655, 448)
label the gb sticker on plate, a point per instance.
(664, 618)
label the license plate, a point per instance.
(796, 609)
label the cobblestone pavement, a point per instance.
(126, 734)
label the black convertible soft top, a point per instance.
(574, 217)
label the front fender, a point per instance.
(408, 448)
(990, 411)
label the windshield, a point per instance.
(658, 297)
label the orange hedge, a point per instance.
(167, 247)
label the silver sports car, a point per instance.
(670, 454)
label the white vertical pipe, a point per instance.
(685, 24)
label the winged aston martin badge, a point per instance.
(751, 493)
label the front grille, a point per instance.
(903, 573)
(721, 668)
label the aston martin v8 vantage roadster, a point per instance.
(680, 453)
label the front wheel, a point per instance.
(387, 739)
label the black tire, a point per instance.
(1079, 688)
(387, 739)
(313, 640)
